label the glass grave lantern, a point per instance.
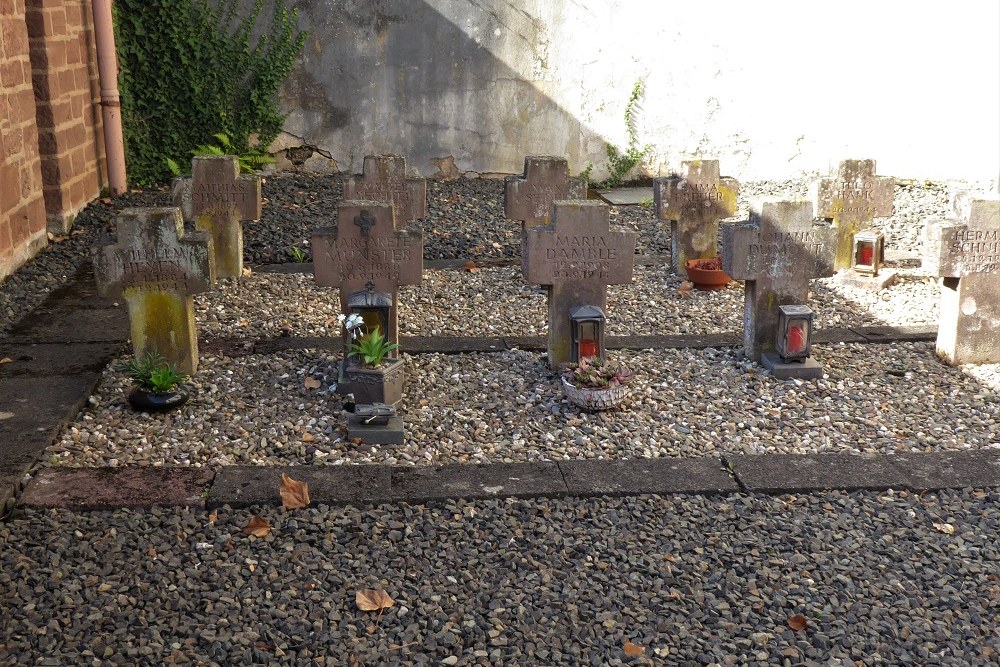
(587, 326)
(794, 333)
(869, 252)
(373, 308)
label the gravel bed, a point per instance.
(497, 302)
(877, 578)
(509, 407)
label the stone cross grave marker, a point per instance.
(777, 252)
(157, 269)
(853, 199)
(365, 252)
(529, 197)
(221, 200)
(384, 179)
(694, 205)
(576, 257)
(966, 254)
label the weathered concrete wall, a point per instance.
(773, 88)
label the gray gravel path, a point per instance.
(878, 578)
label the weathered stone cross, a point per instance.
(157, 270)
(384, 179)
(366, 253)
(221, 200)
(694, 206)
(777, 252)
(967, 255)
(576, 257)
(852, 200)
(529, 198)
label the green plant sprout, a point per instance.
(151, 372)
(621, 162)
(372, 348)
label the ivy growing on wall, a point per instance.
(190, 70)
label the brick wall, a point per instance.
(22, 209)
(67, 93)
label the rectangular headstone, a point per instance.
(157, 269)
(966, 253)
(576, 257)
(777, 252)
(853, 199)
(529, 197)
(221, 200)
(384, 179)
(694, 205)
(366, 252)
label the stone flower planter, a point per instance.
(595, 399)
(375, 385)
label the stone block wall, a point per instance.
(51, 135)
(22, 208)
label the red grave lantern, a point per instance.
(794, 333)
(587, 325)
(869, 252)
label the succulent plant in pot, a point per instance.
(594, 383)
(157, 383)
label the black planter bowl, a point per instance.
(151, 401)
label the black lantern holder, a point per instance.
(587, 326)
(795, 329)
(373, 309)
(868, 252)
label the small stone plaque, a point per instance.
(528, 198)
(694, 205)
(384, 180)
(157, 269)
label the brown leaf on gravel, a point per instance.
(294, 494)
(686, 289)
(945, 528)
(308, 437)
(313, 383)
(470, 266)
(373, 599)
(257, 527)
(797, 622)
(6, 360)
(633, 650)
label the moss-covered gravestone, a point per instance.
(157, 269)
(221, 201)
(777, 251)
(694, 205)
(576, 257)
(965, 253)
(852, 199)
(384, 179)
(528, 198)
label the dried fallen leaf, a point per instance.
(372, 599)
(257, 527)
(470, 266)
(797, 622)
(213, 517)
(313, 383)
(247, 273)
(945, 528)
(686, 289)
(6, 360)
(294, 494)
(308, 437)
(633, 650)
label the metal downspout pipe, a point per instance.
(107, 67)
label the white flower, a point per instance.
(341, 318)
(353, 322)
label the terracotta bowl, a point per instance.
(706, 279)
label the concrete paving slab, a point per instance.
(821, 336)
(450, 344)
(242, 486)
(950, 470)
(626, 196)
(279, 343)
(896, 334)
(33, 409)
(79, 292)
(129, 487)
(639, 476)
(51, 324)
(787, 473)
(6, 498)
(56, 359)
(497, 480)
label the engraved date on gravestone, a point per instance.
(580, 257)
(979, 249)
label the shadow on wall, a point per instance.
(443, 85)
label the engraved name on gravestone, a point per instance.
(221, 200)
(852, 198)
(365, 252)
(157, 269)
(384, 179)
(777, 251)
(529, 197)
(694, 205)
(576, 256)
(965, 253)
